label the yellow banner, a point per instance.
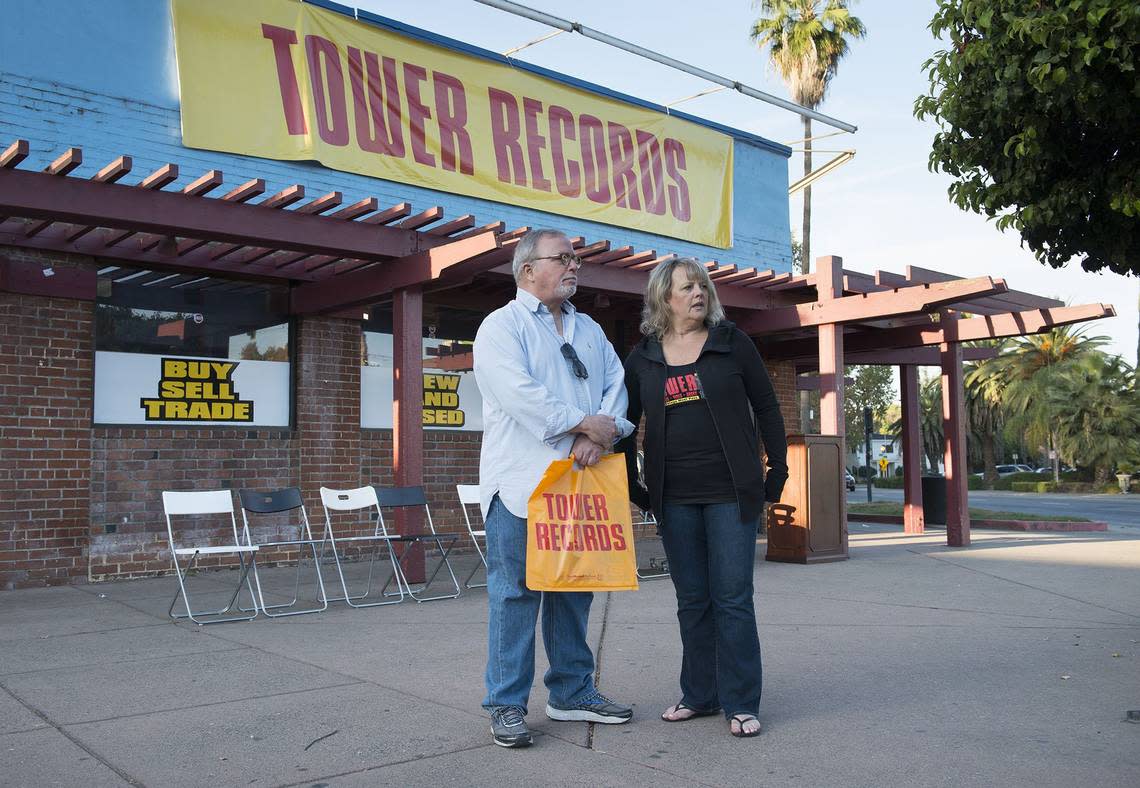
(284, 80)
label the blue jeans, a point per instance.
(711, 559)
(513, 609)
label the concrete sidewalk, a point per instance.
(1013, 662)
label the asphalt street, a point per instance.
(1119, 511)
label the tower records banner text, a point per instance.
(285, 80)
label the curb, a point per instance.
(1004, 525)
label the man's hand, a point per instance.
(601, 429)
(586, 452)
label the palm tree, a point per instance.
(985, 415)
(1032, 370)
(805, 43)
(1101, 407)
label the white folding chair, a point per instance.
(281, 502)
(406, 498)
(469, 496)
(207, 502)
(356, 500)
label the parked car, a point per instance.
(1008, 470)
(850, 481)
(1022, 468)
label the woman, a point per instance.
(706, 398)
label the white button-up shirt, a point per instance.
(531, 396)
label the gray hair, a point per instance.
(656, 317)
(526, 249)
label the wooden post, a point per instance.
(829, 286)
(954, 436)
(407, 414)
(913, 520)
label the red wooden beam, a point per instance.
(40, 196)
(493, 227)
(160, 178)
(1008, 300)
(66, 162)
(848, 309)
(465, 222)
(204, 184)
(357, 209)
(247, 191)
(611, 255)
(632, 260)
(421, 219)
(397, 211)
(285, 197)
(649, 265)
(321, 204)
(46, 280)
(364, 286)
(14, 154)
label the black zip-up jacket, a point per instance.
(744, 409)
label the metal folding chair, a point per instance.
(355, 500)
(647, 518)
(407, 497)
(278, 502)
(207, 502)
(469, 496)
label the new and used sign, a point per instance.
(285, 80)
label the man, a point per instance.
(552, 386)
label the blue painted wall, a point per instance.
(102, 76)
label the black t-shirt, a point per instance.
(695, 467)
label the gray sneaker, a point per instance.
(593, 708)
(508, 728)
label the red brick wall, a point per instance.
(45, 438)
(783, 374)
(450, 458)
(131, 467)
(327, 406)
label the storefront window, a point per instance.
(217, 354)
(451, 399)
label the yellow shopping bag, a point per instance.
(579, 530)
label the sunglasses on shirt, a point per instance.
(575, 362)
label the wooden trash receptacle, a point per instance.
(809, 525)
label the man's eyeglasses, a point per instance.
(575, 362)
(565, 259)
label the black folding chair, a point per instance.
(408, 497)
(277, 502)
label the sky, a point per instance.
(882, 210)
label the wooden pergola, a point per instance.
(337, 259)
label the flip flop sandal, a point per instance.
(696, 712)
(740, 719)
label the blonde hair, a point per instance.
(656, 317)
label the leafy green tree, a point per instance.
(873, 387)
(1037, 107)
(806, 39)
(1100, 428)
